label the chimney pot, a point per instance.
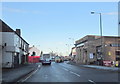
(18, 32)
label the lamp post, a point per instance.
(72, 40)
(51, 52)
(72, 46)
(68, 47)
(100, 18)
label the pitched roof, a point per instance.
(5, 28)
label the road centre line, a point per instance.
(92, 81)
(75, 73)
(46, 76)
(65, 69)
(72, 72)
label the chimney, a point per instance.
(18, 32)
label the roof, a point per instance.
(92, 37)
(30, 48)
(5, 28)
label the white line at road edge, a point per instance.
(75, 73)
(31, 74)
(92, 81)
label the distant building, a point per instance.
(73, 53)
(90, 51)
(33, 51)
(14, 47)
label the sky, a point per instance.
(55, 26)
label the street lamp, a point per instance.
(100, 29)
(72, 40)
(68, 47)
(51, 51)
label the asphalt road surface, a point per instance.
(63, 72)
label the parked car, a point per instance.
(52, 59)
(57, 59)
(61, 59)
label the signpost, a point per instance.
(107, 63)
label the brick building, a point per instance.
(90, 51)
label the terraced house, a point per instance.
(14, 47)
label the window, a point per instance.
(117, 55)
(115, 45)
(117, 52)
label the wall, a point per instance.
(91, 50)
(7, 59)
(109, 50)
(16, 42)
(8, 38)
(35, 50)
(87, 52)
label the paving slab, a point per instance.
(14, 74)
(102, 67)
(116, 69)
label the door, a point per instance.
(16, 60)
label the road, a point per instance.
(63, 72)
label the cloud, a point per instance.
(60, 43)
(110, 13)
(60, 0)
(14, 10)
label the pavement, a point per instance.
(15, 74)
(102, 67)
(116, 69)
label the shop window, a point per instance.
(117, 52)
(117, 55)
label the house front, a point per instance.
(14, 47)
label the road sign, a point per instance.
(107, 63)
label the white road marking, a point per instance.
(31, 74)
(72, 72)
(92, 81)
(75, 73)
(46, 76)
(65, 69)
(39, 66)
